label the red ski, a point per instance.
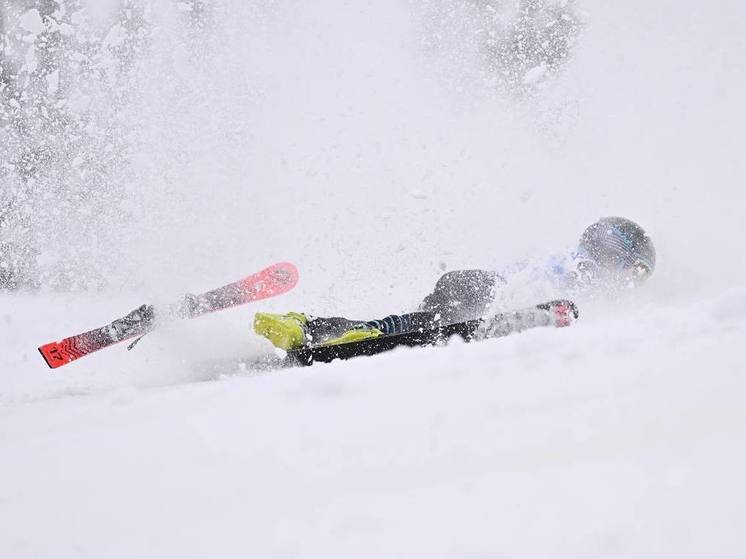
(275, 280)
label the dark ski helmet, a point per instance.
(619, 247)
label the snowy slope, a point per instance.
(616, 438)
(345, 138)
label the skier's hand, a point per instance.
(562, 312)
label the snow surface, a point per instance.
(360, 142)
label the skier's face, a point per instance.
(611, 274)
(618, 277)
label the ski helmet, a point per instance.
(620, 247)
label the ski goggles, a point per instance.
(614, 259)
(639, 272)
(619, 273)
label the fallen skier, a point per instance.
(613, 254)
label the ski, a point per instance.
(269, 282)
(559, 314)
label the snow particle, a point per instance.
(31, 22)
(534, 74)
(53, 82)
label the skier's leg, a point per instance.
(330, 327)
(292, 330)
(407, 322)
(459, 295)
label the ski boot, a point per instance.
(286, 331)
(295, 330)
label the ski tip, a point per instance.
(57, 354)
(54, 355)
(285, 273)
(274, 280)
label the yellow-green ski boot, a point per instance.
(286, 331)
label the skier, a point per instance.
(613, 254)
